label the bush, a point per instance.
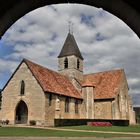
(4, 122)
(7, 122)
(32, 122)
(99, 124)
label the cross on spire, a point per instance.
(70, 24)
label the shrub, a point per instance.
(32, 122)
(4, 122)
(99, 124)
(7, 122)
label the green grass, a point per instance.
(135, 129)
(25, 132)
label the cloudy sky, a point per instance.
(105, 41)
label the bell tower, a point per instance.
(70, 60)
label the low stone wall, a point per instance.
(72, 122)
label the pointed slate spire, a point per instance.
(70, 47)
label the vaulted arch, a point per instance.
(21, 113)
(127, 10)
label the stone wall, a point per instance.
(71, 114)
(132, 115)
(123, 97)
(34, 97)
(50, 110)
(57, 109)
(88, 103)
(72, 71)
(122, 104)
(103, 109)
(0, 115)
(116, 108)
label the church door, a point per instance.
(21, 116)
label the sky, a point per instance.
(104, 40)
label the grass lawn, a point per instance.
(135, 129)
(25, 132)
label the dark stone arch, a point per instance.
(21, 113)
(127, 10)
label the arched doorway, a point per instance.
(21, 114)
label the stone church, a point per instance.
(37, 93)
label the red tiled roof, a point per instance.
(106, 83)
(52, 81)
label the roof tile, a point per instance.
(106, 83)
(52, 81)
(70, 47)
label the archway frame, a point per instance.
(17, 105)
(123, 9)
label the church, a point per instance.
(37, 93)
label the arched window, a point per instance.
(76, 107)
(66, 63)
(50, 99)
(22, 88)
(118, 100)
(57, 104)
(67, 105)
(78, 64)
(126, 104)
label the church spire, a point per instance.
(70, 60)
(70, 47)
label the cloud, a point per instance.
(7, 65)
(105, 41)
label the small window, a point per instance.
(67, 105)
(118, 100)
(66, 63)
(76, 107)
(78, 64)
(57, 104)
(50, 99)
(22, 88)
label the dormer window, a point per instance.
(66, 63)
(78, 64)
(22, 88)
